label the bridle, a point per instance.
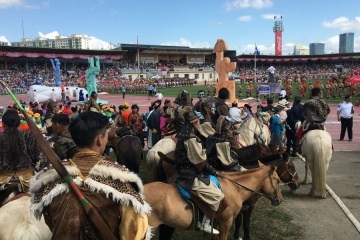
(291, 174)
(272, 198)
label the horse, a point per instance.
(254, 129)
(165, 146)
(317, 150)
(249, 159)
(129, 152)
(287, 173)
(170, 209)
(16, 223)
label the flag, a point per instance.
(137, 46)
(257, 52)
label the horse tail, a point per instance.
(152, 159)
(318, 155)
(27, 230)
(129, 152)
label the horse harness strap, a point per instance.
(240, 185)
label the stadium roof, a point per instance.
(163, 48)
(33, 52)
(295, 58)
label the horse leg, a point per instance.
(306, 173)
(247, 220)
(165, 232)
(238, 221)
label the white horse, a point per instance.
(253, 130)
(16, 223)
(317, 150)
(165, 146)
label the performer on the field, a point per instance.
(114, 191)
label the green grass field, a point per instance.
(173, 92)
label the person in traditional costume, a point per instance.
(19, 153)
(51, 109)
(218, 147)
(94, 106)
(114, 191)
(193, 170)
(64, 145)
(315, 112)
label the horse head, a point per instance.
(287, 172)
(271, 187)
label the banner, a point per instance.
(264, 88)
(65, 56)
(278, 43)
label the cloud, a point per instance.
(16, 4)
(4, 39)
(332, 44)
(50, 35)
(245, 18)
(187, 43)
(344, 24)
(270, 16)
(98, 44)
(287, 48)
(258, 4)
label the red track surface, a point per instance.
(332, 125)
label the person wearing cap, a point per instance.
(19, 153)
(221, 108)
(315, 112)
(270, 108)
(64, 145)
(294, 115)
(277, 128)
(126, 112)
(345, 113)
(123, 91)
(193, 169)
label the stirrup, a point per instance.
(206, 227)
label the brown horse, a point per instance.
(170, 209)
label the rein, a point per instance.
(258, 193)
(288, 171)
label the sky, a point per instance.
(192, 23)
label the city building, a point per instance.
(317, 48)
(301, 50)
(4, 43)
(346, 43)
(74, 41)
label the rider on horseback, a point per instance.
(19, 154)
(193, 170)
(218, 147)
(315, 112)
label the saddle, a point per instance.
(6, 193)
(191, 199)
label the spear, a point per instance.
(89, 209)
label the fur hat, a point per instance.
(283, 103)
(186, 114)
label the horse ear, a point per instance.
(272, 169)
(260, 164)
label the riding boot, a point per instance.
(206, 227)
(282, 150)
(273, 149)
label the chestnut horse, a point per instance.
(170, 209)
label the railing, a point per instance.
(14, 90)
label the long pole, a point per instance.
(22, 26)
(255, 63)
(138, 52)
(89, 209)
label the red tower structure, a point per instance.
(278, 29)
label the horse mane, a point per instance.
(248, 171)
(251, 152)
